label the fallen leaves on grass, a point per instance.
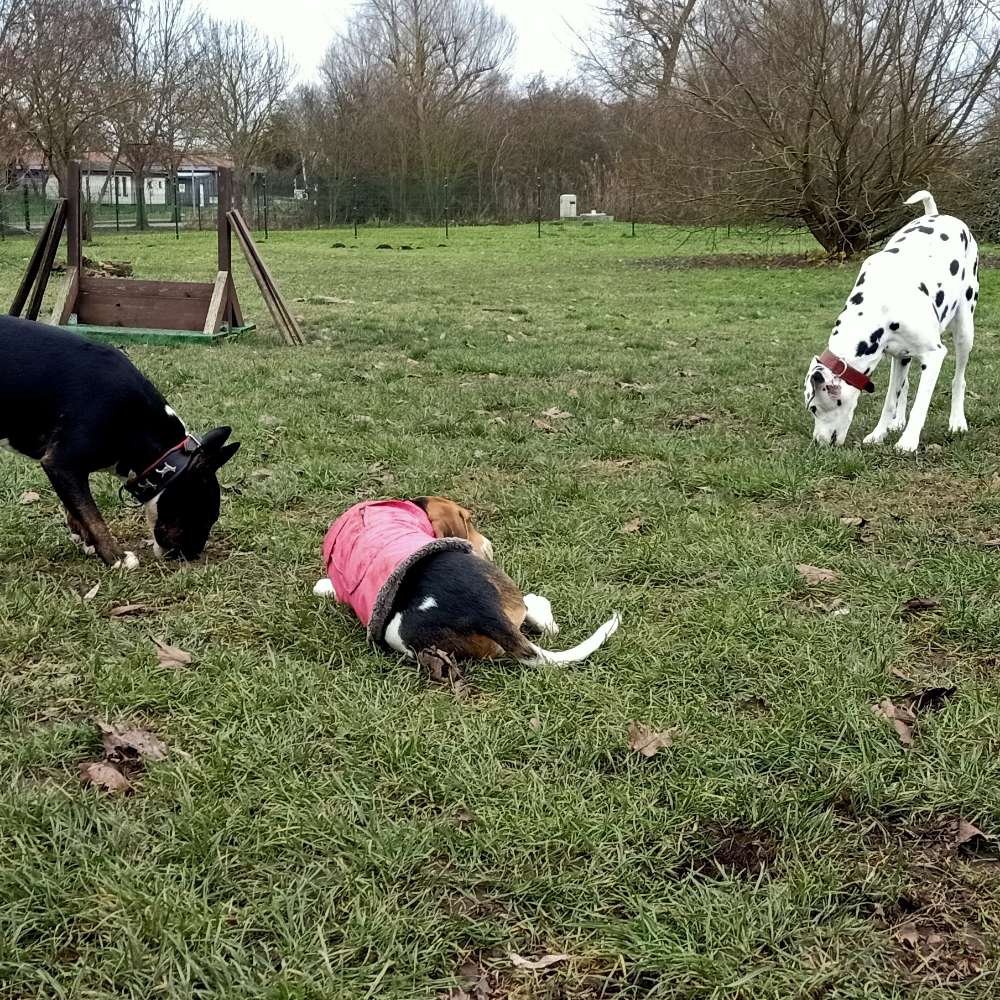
(902, 713)
(554, 413)
(130, 745)
(918, 605)
(815, 575)
(104, 776)
(853, 521)
(92, 593)
(648, 742)
(544, 425)
(689, 420)
(128, 611)
(442, 668)
(171, 656)
(634, 526)
(899, 717)
(534, 723)
(29, 497)
(536, 965)
(941, 955)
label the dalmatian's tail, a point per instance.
(930, 205)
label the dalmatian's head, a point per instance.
(831, 401)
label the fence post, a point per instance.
(27, 210)
(354, 203)
(446, 208)
(265, 206)
(538, 203)
(177, 208)
(118, 225)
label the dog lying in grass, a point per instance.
(925, 281)
(420, 576)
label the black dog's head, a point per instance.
(182, 516)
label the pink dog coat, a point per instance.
(370, 548)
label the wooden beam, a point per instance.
(225, 187)
(34, 265)
(265, 282)
(74, 227)
(218, 304)
(45, 268)
(66, 300)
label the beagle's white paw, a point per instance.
(540, 614)
(324, 588)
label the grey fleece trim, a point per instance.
(387, 595)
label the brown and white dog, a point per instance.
(420, 576)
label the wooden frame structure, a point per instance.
(142, 310)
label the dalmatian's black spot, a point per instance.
(893, 249)
(939, 298)
(840, 402)
(928, 230)
(865, 348)
(877, 335)
(838, 321)
(944, 236)
(968, 293)
(893, 326)
(964, 237)
(860, 281)
(812, 409)
(954, 266)
(905, 361)
(923, 368)
(923, 288)
(912, 229)
(976, 296)
(975, 266)
(858, 299)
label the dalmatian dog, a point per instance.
(925, 281)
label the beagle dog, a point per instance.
(419, 575)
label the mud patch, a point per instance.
(735, 851)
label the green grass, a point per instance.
(330, 825)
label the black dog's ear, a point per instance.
(219, 458)
(214, 439)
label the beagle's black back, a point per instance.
(455, 602)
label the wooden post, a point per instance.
(225, 185)
(74, 227)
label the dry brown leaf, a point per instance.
(917, 605)
(104, 776)
(634, 526)
(534, 965)
(896, 672)
(901, 718)
(646, 741)
(554, 413)
(443, 669)
(966, 832)
(534, 723)
(92, 593)
(128, 611)
(130, 745)
(544, 425)
(690, 420)
(991, 543)
(171, 656)
(29, 497)
(815, 575)
(853, 521)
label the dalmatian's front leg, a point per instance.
(930, 364)
(889, 418)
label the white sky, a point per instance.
(306, 27)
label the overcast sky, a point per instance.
(306, 27)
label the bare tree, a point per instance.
(636, 50)
(246, 77)
(161, 65)
(66, 85)
(837, 107)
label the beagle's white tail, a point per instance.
(930, 205)
(577, 653)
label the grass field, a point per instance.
(330, 824)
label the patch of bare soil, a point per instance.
(935, 928)
(738, 851)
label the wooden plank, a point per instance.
(74, 234)
(225, 186)
(45, 268)
(235, 317)
(200, 291)
(34, 265)
(217, 307)
(253, 261)
(66, 300)
(100, 309)
(284, 319)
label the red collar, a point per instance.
(843, 370)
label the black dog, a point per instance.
(77, 407)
